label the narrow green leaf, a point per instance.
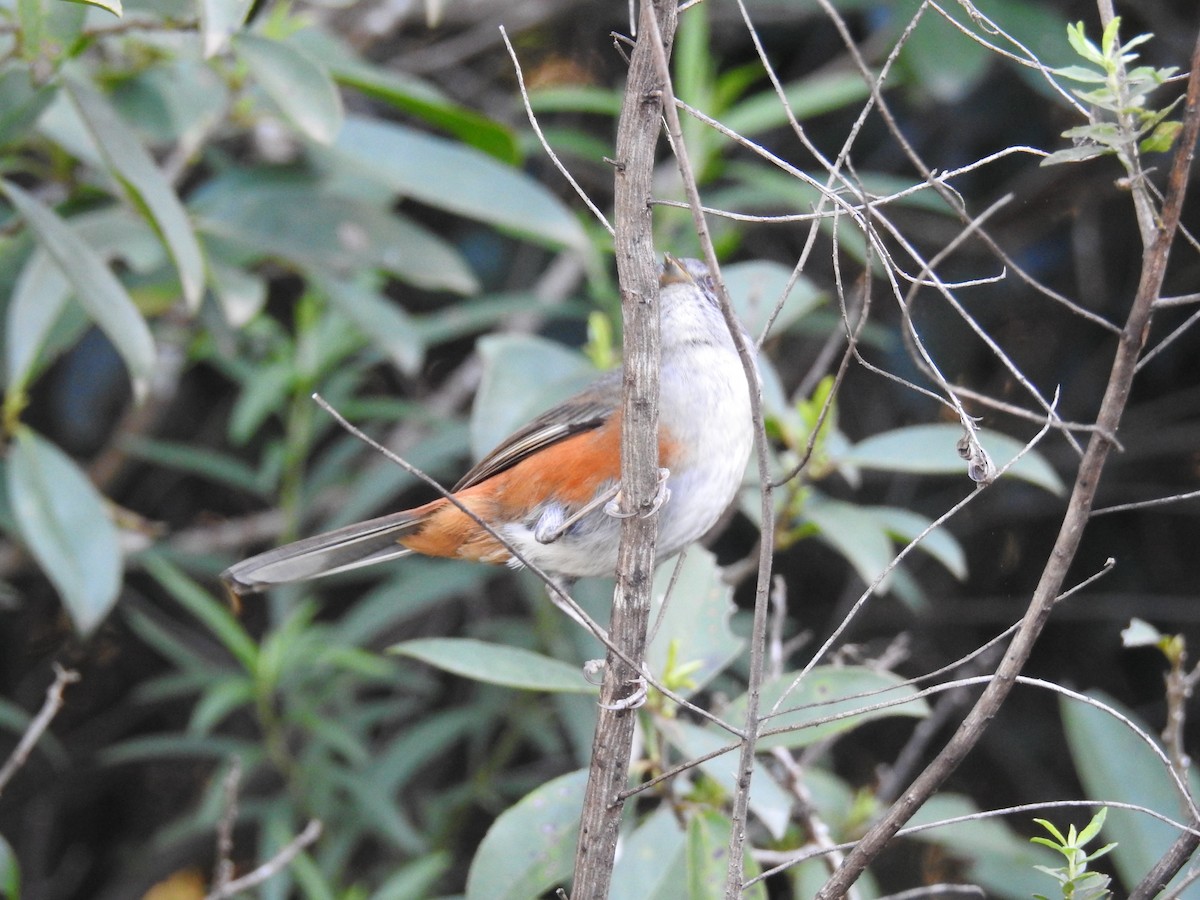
(930, 450)
(409, 94)
(300, 87)
(415, 879)
(38, 310)
(219, 19)
(383, 322)
(497, 664)
(200, 603)
(447, 175)
(31, 16)
(133, 167)
(530, 848)
(807, 98)
(63, 520)
(96, 288)
(221, 468)
(10, 872)
(222, 695)
(112, 6)
(21, 103)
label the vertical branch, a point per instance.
(1116, 395)
(637, 133)
(758, 638)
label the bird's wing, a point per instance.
(588, 409)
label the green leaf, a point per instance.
(222, 696)
(696, 620)
(96, 288)
(21, 103)
(447, 175)
(940, 543)
(64, 521)
(1082, 73)
(1115, 765)
(300, 87)
(652, 864)
(219, 19)
(241, 294)
(409, 94)
(223, 625)
(383, 322)
(10, 872)
(755, 288)
(708, 833)
(576, 98)
(996, 857)
(112, 6)
(1162, 138)
(931, 450)
(809, 97)
(133, 167)
(38, 311)
(826, 691)
(768, 801)
(415, 879)
(855, 533)
(530, 848)
(497, 664)
(522, 376)
(31, 18)
(265, 215)
(221, 468)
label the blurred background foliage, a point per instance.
(212, 210)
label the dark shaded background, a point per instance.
(79, 824)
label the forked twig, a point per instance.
(38, 725)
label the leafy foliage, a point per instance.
(245, 211)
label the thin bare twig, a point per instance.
(272, 866)
(223, 868)
(537, 129)
(38, 725)
(758, 636)
(1112, 407)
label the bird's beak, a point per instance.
(674, 272)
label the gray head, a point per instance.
(691, 313)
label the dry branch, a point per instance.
(637, 133)
(1132, 339)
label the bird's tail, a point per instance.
(360, 544)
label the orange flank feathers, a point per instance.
(569, 470)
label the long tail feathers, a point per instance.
(351, 547)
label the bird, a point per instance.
(548, 488)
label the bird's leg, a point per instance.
(554, 522)
(613, 507)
